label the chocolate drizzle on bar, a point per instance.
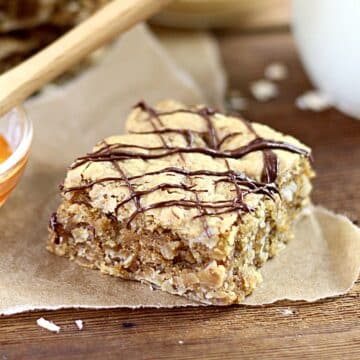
(55, 227)
(243, 185)
(270, 168)
(115, 153)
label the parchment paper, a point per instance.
(322, 261)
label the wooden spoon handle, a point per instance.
(116, 17)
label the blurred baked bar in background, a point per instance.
(25, 14)
(26, 26)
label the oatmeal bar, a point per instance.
(27, 26)
(190, 201)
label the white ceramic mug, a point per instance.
(327, 33)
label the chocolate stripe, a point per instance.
(243, 185)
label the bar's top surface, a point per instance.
(191, 171)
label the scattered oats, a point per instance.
(286, 312)
(79, 324)
(237, 103)
(264, 90)
(48, 325)
(276, 71)
(313, 100)
(180, 342)
(236, 100)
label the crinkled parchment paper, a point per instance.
(322, 261)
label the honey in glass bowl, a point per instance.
(15, 140)
(5, 150)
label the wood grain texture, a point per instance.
(245, 15)
(326, 329)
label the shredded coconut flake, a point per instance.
(286, 312)
(313, 100)
(48, 325)
(79, 324)
(289, 191)
(276, 71)
(264, 90)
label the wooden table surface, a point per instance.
(325, 329)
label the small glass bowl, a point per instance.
(17, 129)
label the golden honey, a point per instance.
(13, 154)
(9, 179)
(5, 150)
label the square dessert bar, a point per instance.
(189, 200)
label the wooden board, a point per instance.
(326, 329)
(245, 15)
